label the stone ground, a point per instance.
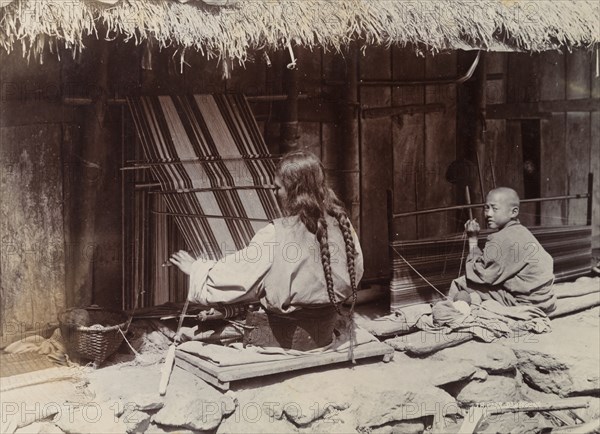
(407, 395)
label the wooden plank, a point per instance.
(309, 70)
(182, 361)
(23, 113)
(440, 149)
(578, 75)
(553, 179)
(422, 343)
(577, 163)
(398, 110)
(225, 374)
(495, 134)
(331, 134)
(249, 79)
(595, 156)
(407, 140)
(595, 168)
(542, 108)
(310, 137)
(522, 84)
(575, 304)
(496, 85)
(376, 163)
(578, 132)
(32, 280)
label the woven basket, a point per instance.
(93, 334)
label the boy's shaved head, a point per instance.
(501, 207)
(507, 195)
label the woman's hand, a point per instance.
(183, 260)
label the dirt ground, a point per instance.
(428, 394)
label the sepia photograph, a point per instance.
(299, 216)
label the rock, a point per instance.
(191, 403)
(494, 389)
(192, 413)
(146, 402)
(335, 422)
(493, 357)
(480, 375)
(393, 406)
(565, 361)
(40, 428)
(451, 373)
(157, 429)
(247, 419)
(544, 372)
(136, 421)
(405, 427)
(292, 401)
(90, 417)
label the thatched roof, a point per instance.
(36, 25)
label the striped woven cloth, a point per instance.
(214, 168)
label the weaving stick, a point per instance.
(468, 200)
(170, 358)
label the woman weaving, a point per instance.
(300, 267)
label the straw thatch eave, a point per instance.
(229, 32)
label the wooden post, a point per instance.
(480, 118)
(349, 158)
(289, 124)
(84, 201)
(590, 198)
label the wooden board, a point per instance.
(522, 84)
(595, 157)
(222, 376)
(578, 132)
(376, 162)
(440, 149)
(553, 174)
(407, 140)
(577, 163)
(595, 162)
(310, 137)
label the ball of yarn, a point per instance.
(463, 296)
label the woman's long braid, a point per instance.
(345, 227)
(344, 223)
(308, 197)
(326, 260)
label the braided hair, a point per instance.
(308, 197)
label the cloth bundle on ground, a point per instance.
(488, 326)
(235, 354)
(53, 347)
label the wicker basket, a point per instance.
(93, 333)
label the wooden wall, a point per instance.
(408, 153)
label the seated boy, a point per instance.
(514, 273)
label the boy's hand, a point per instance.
(472, 228)
(183, 260)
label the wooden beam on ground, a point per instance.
(422, 343)
(569, 305)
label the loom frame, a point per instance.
(391, 216)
